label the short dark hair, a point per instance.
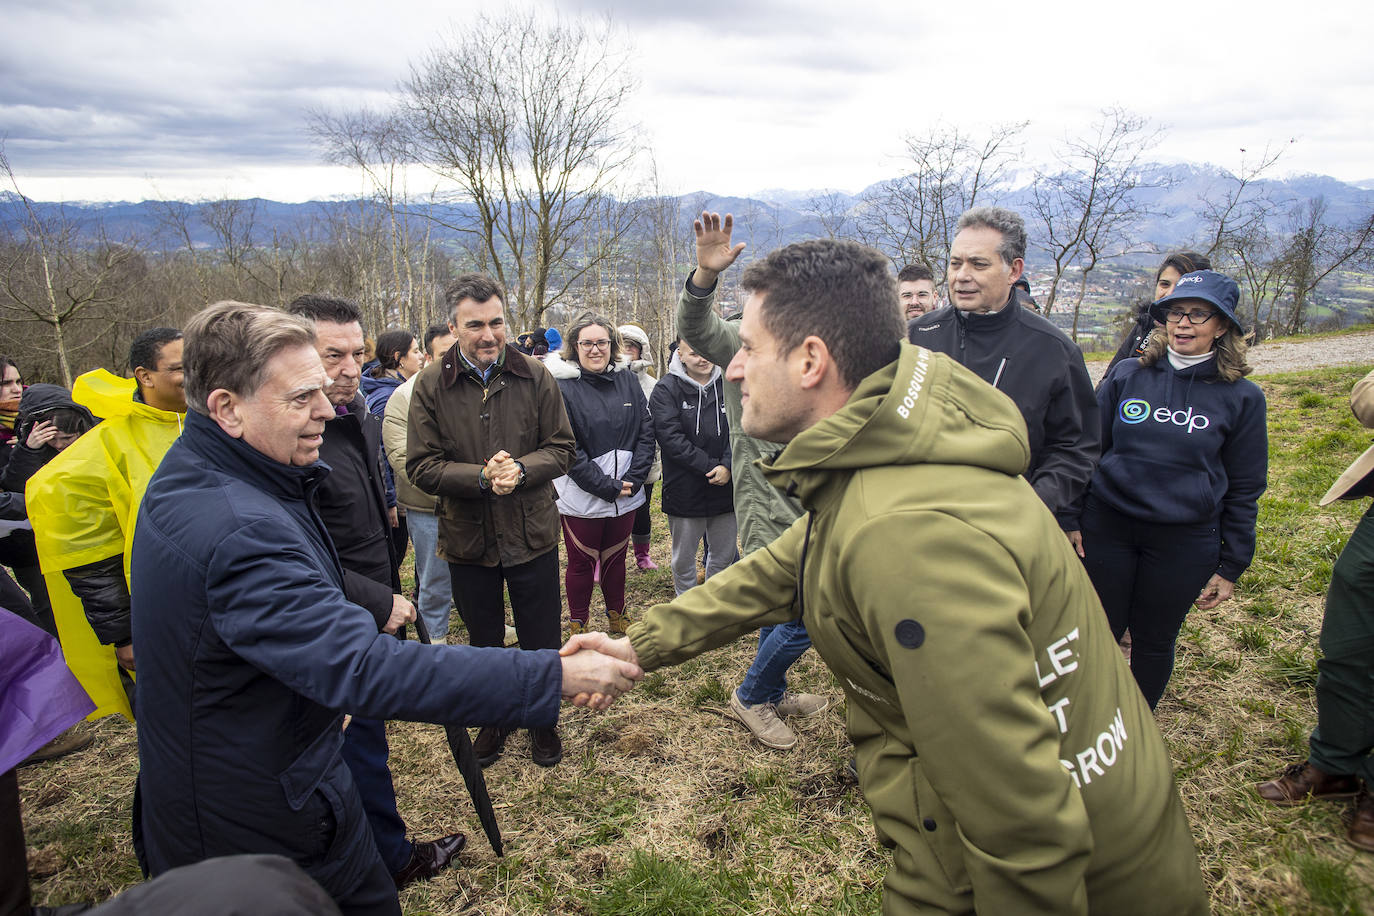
(146, 349)
(838, 290)
(433, 331)
(587, 320)
(913, 272)
(391, 346)
(229, 344)
(1185, 262)
(1008, 222)
(474, 286)
(329, 309)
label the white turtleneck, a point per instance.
(1181, 361)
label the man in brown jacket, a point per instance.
(487, 435)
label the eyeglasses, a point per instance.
(601, 344)
(1196, 316)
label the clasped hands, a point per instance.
(502, 473)
(597, 669)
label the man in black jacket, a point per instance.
(1018, 352)
(352, 503)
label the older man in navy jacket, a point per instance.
(249, 648)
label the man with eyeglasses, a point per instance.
(1019, 353)
(487, 434)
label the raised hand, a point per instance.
(41, 434)
(715, 254)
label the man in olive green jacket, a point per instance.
(1010, 762)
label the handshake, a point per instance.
(598, 669)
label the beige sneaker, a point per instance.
(802, 705)
(763, 721)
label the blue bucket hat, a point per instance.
(1207, 285)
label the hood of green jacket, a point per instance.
(924, 408)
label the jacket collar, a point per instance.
(240, 460)
(999, 320)
(454, 366)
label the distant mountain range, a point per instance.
(778, 216)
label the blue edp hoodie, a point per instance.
(1181, 446)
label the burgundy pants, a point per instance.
(589, 541)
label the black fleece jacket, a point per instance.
(1042, 371)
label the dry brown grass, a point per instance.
(668, 787)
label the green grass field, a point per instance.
(663, 804)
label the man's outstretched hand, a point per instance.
(596, 671)
(598, 646)
(715, 254)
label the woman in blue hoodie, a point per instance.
(398, 358)
(1169, 518)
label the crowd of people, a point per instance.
(217, 543)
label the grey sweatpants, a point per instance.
(720, 531)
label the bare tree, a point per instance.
(525, 117)
(1087, 208)
(1317, 249)
(833, 210)
(50, 275)
(911, 218)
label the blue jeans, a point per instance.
(434, 588)
(779, 647)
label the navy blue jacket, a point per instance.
(249, 654)
(1042, 371)
(694, 436)
(615, 439)
(1180, 446)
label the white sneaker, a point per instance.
(763, 721)
(802, 705)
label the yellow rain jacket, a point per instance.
(83, 504)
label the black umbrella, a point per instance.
(463, 756)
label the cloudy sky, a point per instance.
(153, 98)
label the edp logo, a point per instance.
(1136, 410)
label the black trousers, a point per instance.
(1147, 576)
(535, 601)
(14, 865)
(639, 534)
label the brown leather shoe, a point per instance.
(1302, 782)
(491, 741)
(427, 859)
(1361, 833)
(546, 748)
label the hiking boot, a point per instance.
(1302, 782)
(576, 626)
(763, 721)
(1361, 833)
(642, 558)
(546, 748)
(66, 743)
(802, 705)
(618, 622)
(491, 741)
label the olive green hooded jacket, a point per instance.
(1011, 763)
